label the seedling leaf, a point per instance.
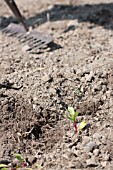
(69, 117)
(71, 110)
(3, 165)
(82, 124)
(4, 168)
(19, 157)
(72, 115)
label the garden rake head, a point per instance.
(35, 40)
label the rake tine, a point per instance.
(36, 45)
(22, 36)
(12, 33)
(34, 41)
(5, 30)
(26, 39)
(33, 47)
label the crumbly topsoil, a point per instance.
(36, 89)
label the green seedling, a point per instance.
(19, 157)
(77, 92)
(19, 162)
(72, 116)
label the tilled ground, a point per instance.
(36, 89)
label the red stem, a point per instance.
(75, 126)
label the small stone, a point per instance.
(104, 97)
(91, 161)
(86, 139)
(35, 98)
(89, 146)
(104, 163)
(108, 93)
(97, 136)
(34, 106)
(104, 88)
(79, 71)
(82, 79)
(89, 77)
(106, 157)
(76, 151)
(97, 87)
(104, 74)
(83, 89)
(96, 152)
(106, 105)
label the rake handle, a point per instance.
(12, 5)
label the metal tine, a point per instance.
(31, 49)
(23, 36)
(26, 39)
(6, 30)
(34, 41)
(20, 35)
(36, 45)
(12, 33)
(41, 45)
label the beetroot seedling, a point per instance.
(72, 116)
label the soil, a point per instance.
(37, 88)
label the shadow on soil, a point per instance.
(99, 14)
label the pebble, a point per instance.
(35, 107)
(106, 157)
(86, 139)
(89, 77)
(104, 163)
(97, 87)
(104, 97)
(89, 146)
(91, 161)
(96, 152)
(79, 71)
(97, 136)
(104, 88)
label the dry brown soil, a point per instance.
(36, 89)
